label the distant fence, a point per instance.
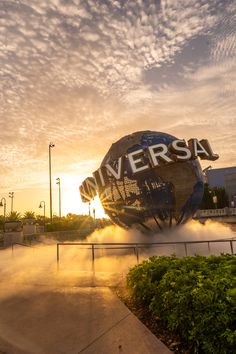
(216, 212)
(61, 236)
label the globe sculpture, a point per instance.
(154, 199)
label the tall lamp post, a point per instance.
(4, 204)
(59, 185)
(11, 195)
(50, 146)
(89, 205)
(42, 205)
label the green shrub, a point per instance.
(143, 278)
(194, 296)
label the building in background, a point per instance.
(225, 178)
(230, 187)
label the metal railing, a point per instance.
(135, 247)
(21, 244)
(205, 213)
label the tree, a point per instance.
(13, 216)
(1, 222)
(209, 193)
(40, 219)
(71, 222)
(29, 215)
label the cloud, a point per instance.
(108, 50)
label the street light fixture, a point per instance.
(3, 203)
(42, 205)
(59, 185)
(50, 146)
(214, 197)
(204, 171)
(11, 195)
(215, 200)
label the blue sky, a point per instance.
(84, 73)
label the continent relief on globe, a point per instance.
(150, 180)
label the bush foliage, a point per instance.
(193, 296)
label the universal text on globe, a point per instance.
(142, 160)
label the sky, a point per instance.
(82, 74)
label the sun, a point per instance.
(71, 200)
(97, 206)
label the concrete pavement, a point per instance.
(70, 320)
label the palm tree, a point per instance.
(29, 215)
(13, 216)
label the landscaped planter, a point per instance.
(13, 233)
(29, 226)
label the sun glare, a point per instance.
(99, 211)
(71, 200)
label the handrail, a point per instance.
(143, 243)
(137, 245)
(20, 244)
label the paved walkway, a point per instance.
(71, 320)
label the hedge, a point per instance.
(193, 296)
